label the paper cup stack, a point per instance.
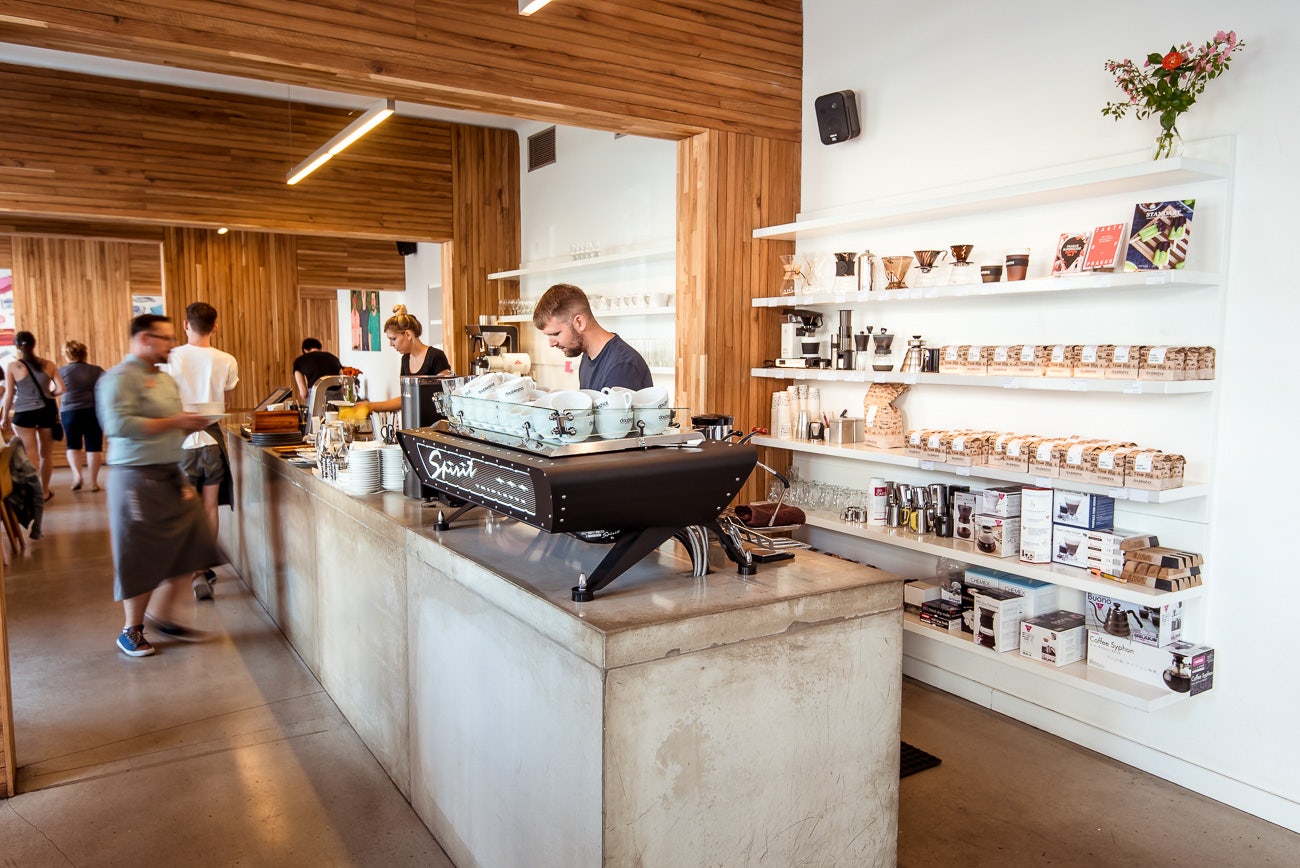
(392, 465)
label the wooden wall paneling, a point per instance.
(656, 67)
(729, 185)
(319, 318)
(250, 278)
(8, 759)
(485, 167)
(90, 148)
(6, 252)
(329, 264)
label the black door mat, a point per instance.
(913, 760)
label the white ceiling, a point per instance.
(22, 55)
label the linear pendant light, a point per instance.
(371, 118)
(528, 7)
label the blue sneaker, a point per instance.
(133, 644)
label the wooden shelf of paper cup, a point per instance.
(899, 458)
(604, 314)
(1046, 187)
(1096, 281)
(1056, 574)
(1047, 384)
(547, 266)
(973, 662)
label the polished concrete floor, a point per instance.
(230, 753)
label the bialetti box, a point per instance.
(1036, 525)
(1058, 638)
(1081, 509)
(1156, 624)
(1180, 667)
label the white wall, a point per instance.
(423, 299)
(969, 92)
(620, 193)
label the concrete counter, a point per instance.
(672, 721)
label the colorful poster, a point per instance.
(6, 307)
(366, 321)
(147, 304)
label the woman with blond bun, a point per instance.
(418, 358)
(78, 412)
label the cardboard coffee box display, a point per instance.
(1070, 546)
(1045, 458)
(1061, 359)
(882, 422)
(976, 359)
(997, 536)
(1162, 363)
(942, 615)
(998, 446)
(1074, 461)
(1158, 623)
(1153, 470)
(966, 448)
(1125, 361)
(1002, 362)
(1083, 509)
(952, 359)
(997, 617)
(914, 442)
(1003, 500)
(1109, 465)
(918, 592)
(1058, 638)
(935, 450)
(965, 506)
(1093, 360)
(1035, 525)
(1179, 667)
(1205, 360)
(1015, 452)
(1039, 597)
(1030, 359)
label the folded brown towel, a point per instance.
(759, 515)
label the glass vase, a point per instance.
(1168, 144)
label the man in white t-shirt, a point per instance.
(205, 376)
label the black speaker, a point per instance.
(837, 116)
(406, 248)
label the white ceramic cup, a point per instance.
(654, 420)
(515, 391)
(613, 422)
(599, 400)
(619, 396)
(581, 426)
(655, 396)
(570, 399)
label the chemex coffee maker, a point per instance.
(496, 348)
(800, 346)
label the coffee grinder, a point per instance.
(842, 343)
(884, 356)
(800, 347)
(495, 349)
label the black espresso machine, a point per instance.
(637, 492)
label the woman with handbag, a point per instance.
(31, 385)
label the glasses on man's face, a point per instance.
(171, 339)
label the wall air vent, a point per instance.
(541, 149)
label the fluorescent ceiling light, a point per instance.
(371, 118)
(528, 7)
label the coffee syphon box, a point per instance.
(1157, 624)
(1180, 667)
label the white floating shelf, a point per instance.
(1089, 282)
(1056, 574)
(897, 457)
(603, 314)
(926, 643)
(549, 266)
(1107, 181)
(1046, 384)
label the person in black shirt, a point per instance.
(418, 358)
(564, 315)
(313, 364)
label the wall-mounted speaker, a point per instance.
(837, 116)
(407, 248)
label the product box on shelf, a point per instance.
(1205, 360)
(1036, 525)
(1163, 556)
(1153, 470)
(965, 505)
(1057, 638)
(1002, 362)
(1162, 363)
(1155, 624)
(966, 448)
(1093, 360)
(942, 615)
(882, 422)
(1160, 578)
(1120, 542)
(1045, 459)
(914, 442)
(934, 446)
(976, 360)
(1015, 452)
(1083, 509)
(1004, 500)
(1124, 362)
(997, 617)
(1029, 359)
(959, 593)
(952, 359)
(1079, 460)
(1180, 667)
(1061, 359)
(1107, 467)
(997, 536)
(1039, 597)
(1070, 546)
(917, 593)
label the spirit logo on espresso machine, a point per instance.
(471, 474)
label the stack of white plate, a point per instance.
(392, 467)
(361, 476)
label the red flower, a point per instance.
(1172, 60)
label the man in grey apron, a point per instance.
(156, 519)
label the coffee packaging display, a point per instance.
(1125, 361)
(1003, 501)
(1070, 546)
(1205, 358)
(1061, 360)
(1012, 451)
(914, 442)
(1153, 470)
(1088, 361)
(1082, 463)
(966, 448)
(1045, 459)
(965, 506)
(1163, 363)
(976, 359)
(1093, 360)
(882, 422)
(1002, 361)
(1083, 509)
(997, 615)
(1058, 638)
(997, 536)
(1179, 667)
(1035, 525)
(1029, 359)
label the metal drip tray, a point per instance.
(590, 446)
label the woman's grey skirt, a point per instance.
(157, 533)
